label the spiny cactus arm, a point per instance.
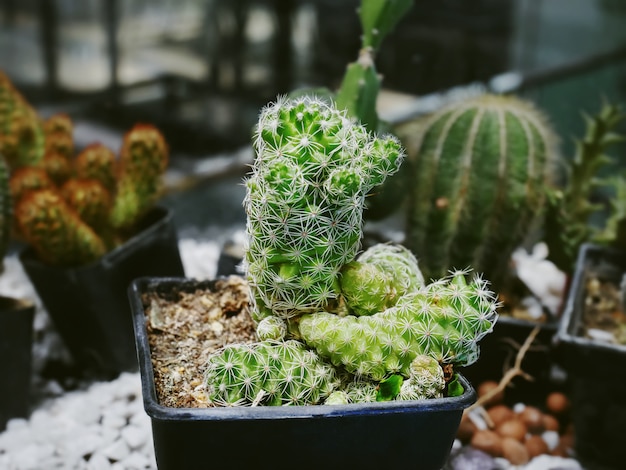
(444, 320)
(97, 161)
(57, 165)
(60, 143)
(378, 277)
(28, 178)
(567, 220)
(54, 230)
(59, 123)
(143, 160)
(614, 232)
(426, 380)
(91, 201)
(268, 373)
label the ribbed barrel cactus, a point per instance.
(478, 180)
(304, 202)
(443, 319)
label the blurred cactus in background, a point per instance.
(478, 183)
(568, 224)
(6, 220)
(22, 139)
(73, 209)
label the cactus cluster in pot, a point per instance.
(336, 325)
(72, 209)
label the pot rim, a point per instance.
(160, 412)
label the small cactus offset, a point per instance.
(143, 159)
(268, 373)
(304, 202)
(22, 140)
(444, 319)
(97, 162)
(426, 380)
(378, 278)
(55, 231)
(479, 180)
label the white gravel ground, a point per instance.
(101, 425)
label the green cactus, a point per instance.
(22, 138)
(444, 319)
(268, 373)
(92, 202)
(478, 181)
(55, 231)
(143, 159)
(97, 161)
(426, 380)
(360, 86)
(567, 224)
(378, 278)
(304, 202)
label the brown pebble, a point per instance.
(487, 441)
(557, 403)
(514, 451)
(512, 428)
(550, 423)
(533, 419)
(536, 446)
(500, 413)
(486, 387)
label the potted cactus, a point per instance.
(89, 225)
(337, 332)
(16, 328)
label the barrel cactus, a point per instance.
(478, 181)
(304, 202)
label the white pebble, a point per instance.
(117, 451)
(136, 461)
(134, 436)
(549, 462)
(98, 462)
(519, 407)
(551, 439)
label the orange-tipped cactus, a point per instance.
(21, 131)
(58, 123)
(55, 231)
(98, 162)
(91, 201)
(60, 143)
(143, 160)
(58, 167)
(29, 178)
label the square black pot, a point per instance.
(595, 369)
(402, 434)
(88, 304)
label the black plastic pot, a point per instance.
(16, 340)
(595, 369)
(89, 305)
(410, 434)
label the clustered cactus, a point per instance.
(478, 182)
(73, 209)
(335, 327)
(73, 212)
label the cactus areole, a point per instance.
(304, 202)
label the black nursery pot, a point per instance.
(595, 369)
(16, 340)
(409, 434)
(89, 304)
